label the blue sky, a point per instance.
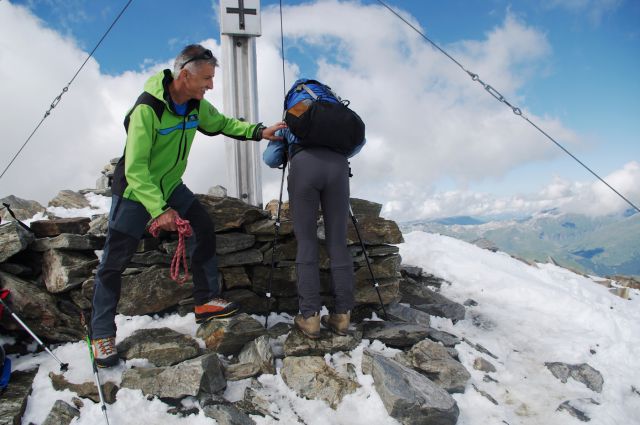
(571, 65)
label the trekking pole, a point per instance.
(63, 366)
(96, 376)
(366, 258)
(275, 242)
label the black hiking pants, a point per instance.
(127, 222)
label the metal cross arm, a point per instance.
(241, 11)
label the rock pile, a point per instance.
(49, 272)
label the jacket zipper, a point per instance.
(182, 139)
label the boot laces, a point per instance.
(105, 346)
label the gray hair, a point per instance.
(191, 57)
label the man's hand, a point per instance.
(167, 220)
(269, 133)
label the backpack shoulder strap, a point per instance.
(308, 90)
(146, 99)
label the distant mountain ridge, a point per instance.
(605, 245)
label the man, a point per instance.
(148, 185)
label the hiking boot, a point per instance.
(309, 326)
(104, 351)
(217, 307)
(337, 322)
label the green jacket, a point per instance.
(159, 141)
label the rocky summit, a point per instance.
(48, 271)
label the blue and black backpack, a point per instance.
(318, 117)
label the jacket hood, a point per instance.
(158, 85)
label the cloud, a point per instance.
(426, 119)
(571, 197)
(594, 10)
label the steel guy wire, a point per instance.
(57, 99)
(496, 94)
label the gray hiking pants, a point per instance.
(320, 177)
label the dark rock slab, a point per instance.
(239, 258)
(151, 291)
(374, 231)
(227, 414)
(311, 377)
(283, 281)
(190, 378)
(68, 241)
(24, 209)
(14, 399)
(235, 277)
(41, 311)
(55, 227)
(363, 208)
(85, 389)
(422, 298)
(408, 396)
(249, 301)
(365, 292)
(13, 239)
(582, 372)
(150, 258)
(65, 270)
(231, 242)
(69, 199)
(61, 413)
(577, 408)
(265, 229)
(162, 346)
(229, 335)
(230, 213)
(297, 344)
(434, 361)
(407, 314)
(399, 335)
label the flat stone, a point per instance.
(61, 413)
(240, 258)
(229, 335)
(13, 239)
(408, 396)
(266, 227)
(311, 377)
(68, 241)
(235, 277)
(230, 213)
(85, 389)
(283, 280)
(580, 372)
(55, 227)
(408, 314)
(363, 208)
(24, 209)
(232, 242)
(161, 346)
(190, 378)
(397, 335)
(65, 270)
(227, 414)
(14, 399)
(297, 344)
(434, 361)
(41, 311)
(69, 199)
